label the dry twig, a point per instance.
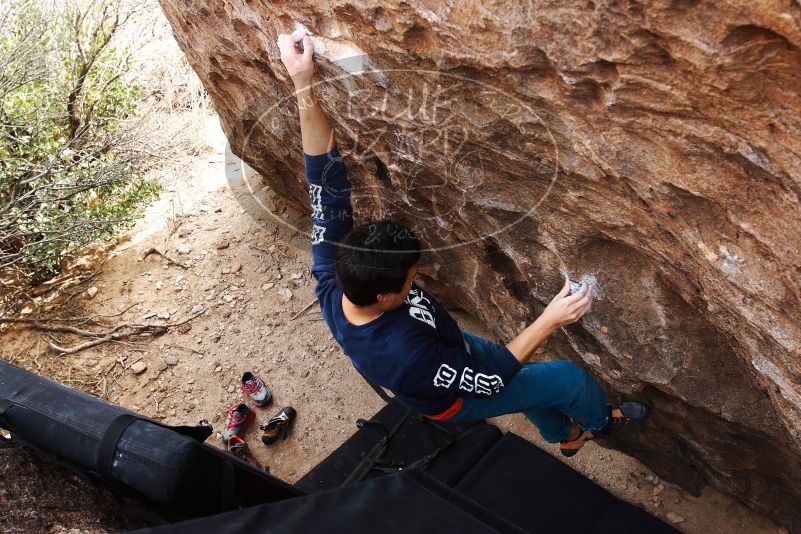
(116, 334)
(173, 261)
(306, 307)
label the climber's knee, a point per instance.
(570, 376)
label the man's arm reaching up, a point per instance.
(329, 188)
(315, 131)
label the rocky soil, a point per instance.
(653, 145)
(37, 496)
(249, 272)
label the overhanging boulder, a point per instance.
(656, 147)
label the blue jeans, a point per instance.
(549, 394)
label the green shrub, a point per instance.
(70, 154)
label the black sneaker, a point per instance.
(627, 414)
(278, 425)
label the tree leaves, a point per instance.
(70, 168)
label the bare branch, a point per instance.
(116, 334)
(173, 261)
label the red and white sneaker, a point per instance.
(254, 389)
(238, 421)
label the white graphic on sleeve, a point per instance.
(318, 234)
(417, 302)
(469, 381)
(466, 382)
(488, 384)
(445, 376)
(316, 201)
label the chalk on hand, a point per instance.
(575, 287)
(302, 29)
(587, 279)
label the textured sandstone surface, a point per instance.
(655, 146)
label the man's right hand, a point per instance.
(565, 308)
(298, 64)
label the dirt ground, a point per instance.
(42, 497)
(246, 267)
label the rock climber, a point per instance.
(399, 337)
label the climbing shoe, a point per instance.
(575, 440)
(240, 449)
(238, 419)
(253, 387)
(624, 415)
(278, 425)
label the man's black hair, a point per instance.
(375, 258)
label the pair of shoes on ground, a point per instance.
(276, 427)
(627, 414)
(239, 417)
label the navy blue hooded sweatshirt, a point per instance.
(417, 350)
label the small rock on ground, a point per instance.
(674, 518)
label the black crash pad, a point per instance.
(460, 446)
(537, 492)
(403, 503)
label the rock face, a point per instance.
(653, 145)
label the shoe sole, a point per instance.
(573, 447)
(249, 418)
